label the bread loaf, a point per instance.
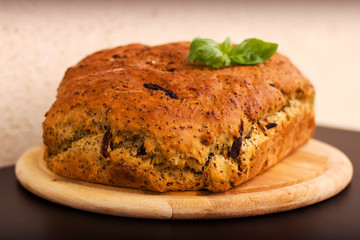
(143, 117)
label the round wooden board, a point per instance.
(313, 173)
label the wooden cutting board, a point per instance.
(313, 173)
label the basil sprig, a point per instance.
(251, 51)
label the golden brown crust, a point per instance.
(108, 126)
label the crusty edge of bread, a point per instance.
(295, 126)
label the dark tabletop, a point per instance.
(26, 216)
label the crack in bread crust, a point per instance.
(106, 127)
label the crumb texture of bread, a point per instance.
(143, 117)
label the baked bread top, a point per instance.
(138, 108)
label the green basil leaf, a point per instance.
(227, 60)
(198, 43)
(252, 51)
(225, 47)
(207, 51)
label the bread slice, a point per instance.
(143, 117)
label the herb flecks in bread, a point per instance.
(144, 117)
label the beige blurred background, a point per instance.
(40, 39)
